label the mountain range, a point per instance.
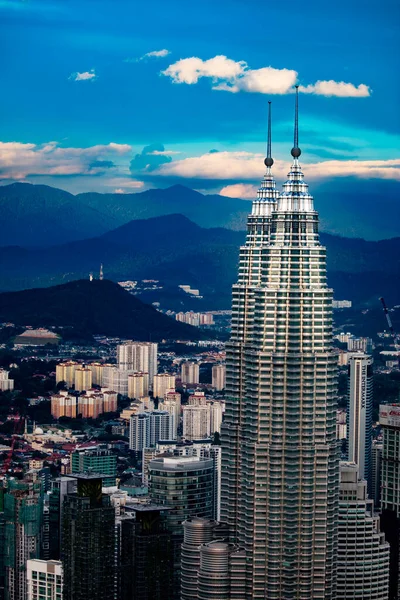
(39, 215)
(177, 251)
(92, 307)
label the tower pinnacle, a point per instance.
(269, 161)
(295, 152)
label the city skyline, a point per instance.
(95, 120)
(154, 444)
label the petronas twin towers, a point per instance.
(280, 461)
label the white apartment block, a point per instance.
(218, 377)
(44, 579)
(138, 385)
(83, 379)
(5, 382)
(163, 383)
(359, 414)
(116, 379)
(190, 372)
(146, 429)
(138, 356)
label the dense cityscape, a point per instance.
(209, 468)
(199, 300)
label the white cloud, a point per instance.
(85, 76)
(18, 160)
(153, 54)
(190, 70)
(263, 81)
(340, 89)
(236, 76)
(247, 166)
(164, 152)
(124, 185)
(239, 190)
(157, 54)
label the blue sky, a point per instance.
(87, 84)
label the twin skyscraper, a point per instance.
(280, 483)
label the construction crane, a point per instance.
(17, 429)
(391, 328)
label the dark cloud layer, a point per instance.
(149, 159)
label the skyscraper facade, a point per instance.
(97, 460)
(146, 429)
(146, 555)
(359, 415)
(88, 542)
(279, 452)
(389, 418)
(363, 553)
(23, 504)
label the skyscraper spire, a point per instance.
(296, 152)
(269, 161)
(295, 195)
(267, 192)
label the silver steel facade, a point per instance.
(279, 452)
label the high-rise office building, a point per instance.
(190, 372)
(359, 415)
(83, 379)
(146, 555)
(377, 448)
(60, 488)
(96, 460)
(211, 567)
(23, 507)
(222, 571)
(279, 451)
(362, 552)
(44, 579)
(163, 383)
(185, 484)
(138, 356)
(88, 542)
(389, 419)
(138, 385)
(218, 377)
(146, 429)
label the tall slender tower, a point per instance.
(279, 453)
